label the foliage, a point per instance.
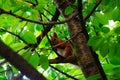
(103, 27)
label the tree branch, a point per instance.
(2, 11)
(63, 73)
(81, 20)
(20, 63)
(70, 59)
(14, 35)
(93, 10)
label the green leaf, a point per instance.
(28, 37)
(28, 55)
(112, 48)
(102, 18)
(68, 10)
(8, 39)
(17, 46)
(116, 73)
(118, 39)
(96, 42)
(2, 78)
(38, 27)
(44, 43)
(44, 61)
(117, 29)
(115, 14)
(95, 22)
(4, 1)
(91, 1)
(104, 49)
(1, 69)
(115, 59)
(94, 77)
(34, 60)
(105, 29)
(105, 2)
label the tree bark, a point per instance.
(83, 53)
(18, 62)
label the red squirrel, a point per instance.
(64, 49)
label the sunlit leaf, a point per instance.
(102, 18)
(9, 39)
(17, 46)
(34, 60)
(28, 37)
(28, 55)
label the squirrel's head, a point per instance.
(54, 39)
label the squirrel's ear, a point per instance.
(55, 35)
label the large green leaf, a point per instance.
(96, 42)
(8, 39)
(112, 48)
(115, 59)
(102, 18)
(28, 37)
(44, 61)
(17, 46)
(34, 60)
(104, 49)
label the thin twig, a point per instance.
(14, 35)
(63, 73)
(93, 10)
(2, 11)
(48, 11)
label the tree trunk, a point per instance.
(83, 53)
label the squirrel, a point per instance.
(62, 47)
